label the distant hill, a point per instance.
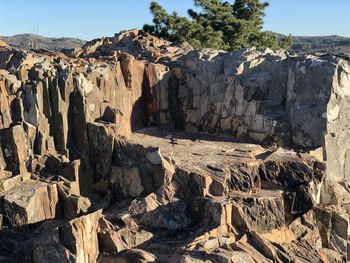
(301, 44)
(327, 44)
(56, 44)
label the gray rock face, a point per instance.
(92, 168)
(293, 101)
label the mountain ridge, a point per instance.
(28, 40)
(326, 44)
(301, 44)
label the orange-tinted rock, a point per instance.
(30, 202)
(3, 44)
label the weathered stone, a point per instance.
(333, 227)
(48, 249)
(4, 108)
(298, 202)
(329, 256)
(73, 205)
(9, 182)
(30, 202)
(259, 96)
(263, 246)
(133, 255)
(127, 180)
(51, 165)
(101, 144)
(111, 242)
(109, 238)
(111, 115)
(225, 256)
(263, 212)
(137, 43)
(79, 236)
(73, 172)
(16, 150)
(161, 217)
(136, 237)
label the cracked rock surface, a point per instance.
(133, 149)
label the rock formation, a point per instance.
(132, 149)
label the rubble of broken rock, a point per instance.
(132, 149)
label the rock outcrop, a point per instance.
(295, 102)
(132, 149)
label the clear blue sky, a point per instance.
(88, 19)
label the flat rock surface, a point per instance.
(200, 150)
(211, 155)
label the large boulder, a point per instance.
(30, 202)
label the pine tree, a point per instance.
(218, 25)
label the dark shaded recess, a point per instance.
(177, 115)
(139, 114)
(57, 121)
(16, 110)
(77, 126)
(78, 140)
(137, 119)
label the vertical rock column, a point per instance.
(337, 143)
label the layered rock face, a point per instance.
(298, 102)
(132, 149)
